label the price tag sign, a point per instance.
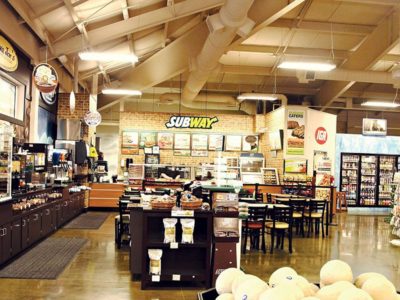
(155, 278)
(182, 213)
(176, 277)
(174, 245)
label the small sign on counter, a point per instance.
(176, 277)
(182, 213)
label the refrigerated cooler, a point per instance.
(349, 177)
(6, 143)
(367, 178)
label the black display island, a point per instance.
(183, 265)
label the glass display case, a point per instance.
(6, 136)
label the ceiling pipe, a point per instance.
(214, 101)
(281, 97)
(202, 101)
(231, 20)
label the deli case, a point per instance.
(367, 178)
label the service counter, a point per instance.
(20, 229)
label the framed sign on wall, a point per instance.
(182, 141)
(374, 127)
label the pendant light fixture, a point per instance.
(72, 102)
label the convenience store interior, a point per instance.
(152, 145)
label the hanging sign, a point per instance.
(92, 118)
(295, 132)
(8, 56)
(45, 78)
(191, 122)
(321, 135)
(374, 127)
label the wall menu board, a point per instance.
(182, 152)
(215, 142)
(295, 166)
(250, 143)
(133, 140)
(295, 131)
(130, 139)
(165, 140)
(148, 139)
(199, 153)
(182, 141)
(199, 141)
(233, 143)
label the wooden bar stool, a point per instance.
(341, 200)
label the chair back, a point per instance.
(282, 201)
(269, 198)
(298, 205)
(317, 206)
(257, 214)
(282, 214)
(259, 197)
(123, 207)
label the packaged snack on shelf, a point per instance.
(155, 261)
(169, 230)
(187, 231)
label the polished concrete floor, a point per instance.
(101, 272)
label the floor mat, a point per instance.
(47, 260)
(89, 220)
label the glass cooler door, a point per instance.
(369, 164)
(349, 177)
(387, 168)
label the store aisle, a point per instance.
(101, 272)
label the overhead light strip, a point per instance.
(380, 104)
(307, 66)
(121, 92)
(257, 96)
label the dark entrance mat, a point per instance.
(47, 260)
(90, 220)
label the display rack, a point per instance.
(6, 134)
(270, 175)
(182, 265)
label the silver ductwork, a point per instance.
(231, 20)
(68, 129)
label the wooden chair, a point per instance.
(282, 220)
(254, 226)
(342, 201)
(260, 197)
(269, 198)
(298, 205)
(122, 222)
(314, 215)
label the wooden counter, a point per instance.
(105, 195)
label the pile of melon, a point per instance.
(336, 283)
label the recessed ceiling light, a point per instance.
(307, 66)
(121, 92)
(257, 96)
(108, 56)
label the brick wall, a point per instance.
(81, 108)
(227, 124)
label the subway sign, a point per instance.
(191, 122)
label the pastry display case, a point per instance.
(6, 135)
